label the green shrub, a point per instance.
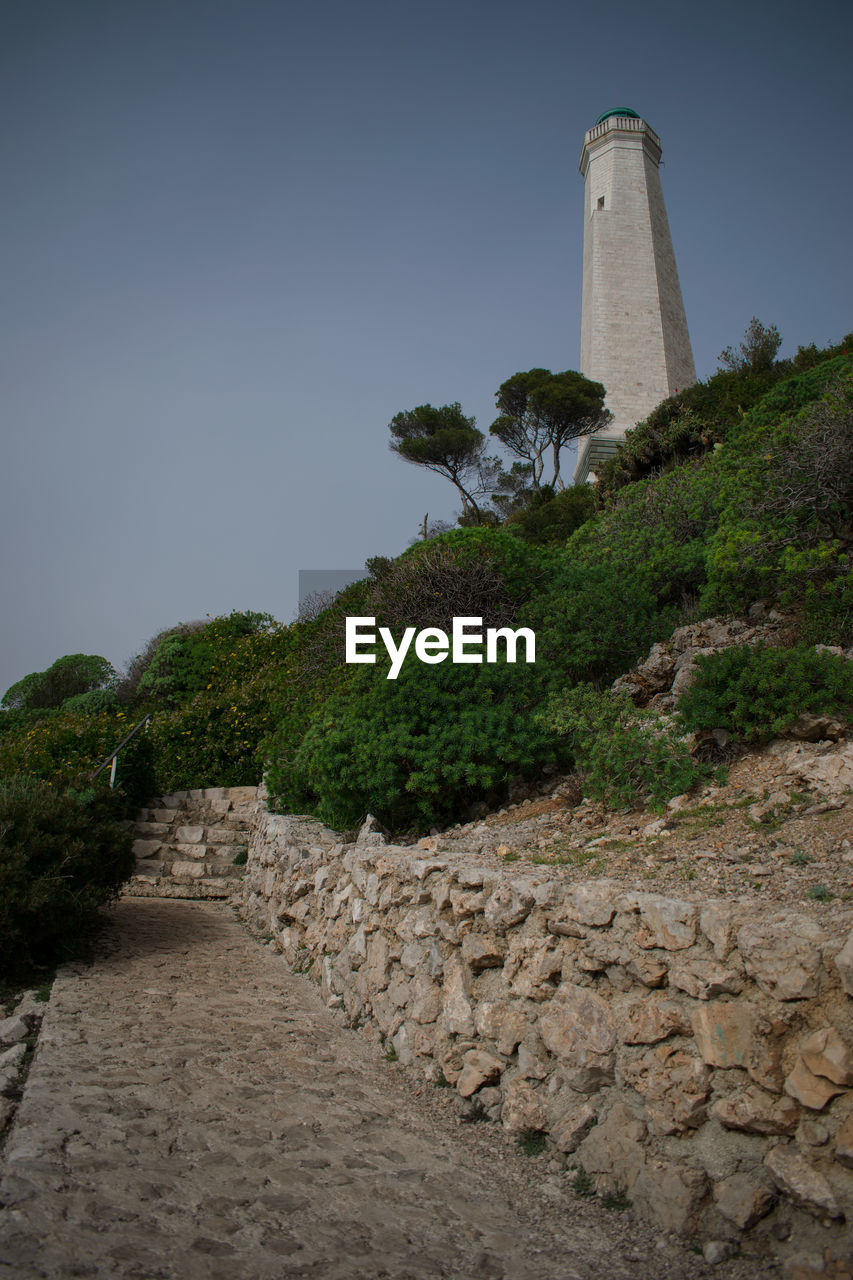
(472, 572)
(685, 426)
(655, 534)
(76, 673)
(758, 692)
(198, 656)
(313, 670)
(476, 571)
(693, 421)
(549, 518)
(94, 701)
(64, 748)
(62, 856)
(789, 396)
(420, 749)
(592, 621)
(786, 503)
(826, 614)
(212, 740)
(212, 688)
(626, 754)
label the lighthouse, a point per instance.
(634, 335)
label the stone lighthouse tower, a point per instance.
(633, 329)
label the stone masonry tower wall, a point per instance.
(634, 335)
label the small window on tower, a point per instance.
(601, 202)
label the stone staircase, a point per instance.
(186, 844)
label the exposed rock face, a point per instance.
(826, 1054)
(669, 670)
(829, 772)
(697, 1058)
(479, 1069)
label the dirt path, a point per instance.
(194, 1111)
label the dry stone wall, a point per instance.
(693, 1056)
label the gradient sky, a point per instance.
(240, 235)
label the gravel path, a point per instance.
(194, 1111)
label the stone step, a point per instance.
(147, 849)
(166, 887)
(226, 835)
(166, 865)
(147, 830)
(236, 797)
(221, 831)
(216, 867)
(150, 867)
(189, 834)
(186, 843)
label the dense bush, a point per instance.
(656, 533)
(767, 514)
(214, 736)
(62, 856)
(549, 518)
(210, 687)
(692, 421)
(64, 748)
(593, 621)
(826, 612)
(198, 656)
(68, 677)
(313, 671)
(473, 572)
(477, 571)
(799, 390)
(96, 700)
(685, 426)
(758, 692)
(420, 749)
(127, 686)
(784, 496)
(626, 755)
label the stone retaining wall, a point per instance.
(694, 1057)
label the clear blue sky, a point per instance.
(240, 235)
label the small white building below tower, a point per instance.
(634, 335)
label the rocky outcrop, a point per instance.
(668, 671)
(696, 1057)
(187, 842)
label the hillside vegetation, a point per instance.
(739, 489)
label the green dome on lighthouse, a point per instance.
(618, 111)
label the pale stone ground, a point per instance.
(194, 1111)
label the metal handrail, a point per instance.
(113, 756)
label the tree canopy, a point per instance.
(444, 440)
(68, 677)
(542, 412)
(757, 351)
